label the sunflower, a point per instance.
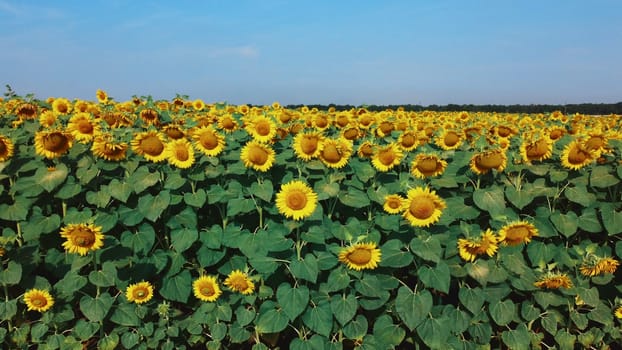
(149, 116)
(351, 133)
(423, 207)
(296, 200)
(517, 232)
(47, 118)
(366, 120)
(608, 265)
(448, 140)
(618, 312)
(505, 131)
(365, 150)
(575, 156)
(139, 293)
(102, 96)
(593, 266)
(427, 165)
(206, 288)
(26, 110)
(180, 153)
(6, 148)
(384, 128)
(149, 144)
(536, 150)
(262, 129)
(555, 133)
(257, 155)
(483, 162)
(387, 157)
(239, 281)
(82, 127)
(227, 123)
(52, 143)
(596, 143)
(361, 256)
(38, 300)
(61, 106)
(393, 203)
(105, 146)
(308, 145)
(407, 140)
(198, 104)
(82, 238)
(336, 152)
(554, 280)
(341, 120)
(208, 140)
(174, 131)
(470, 249)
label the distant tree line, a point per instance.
(582, 108)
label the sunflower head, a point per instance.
(394, 203)
(482, 163)
(262, 128)
(449, 140)
(6, 148)
(52, 143)
(139, 293)
(26, 110)
(105, 146)
(423, 207)
(149, 144)
(149, 116)
(296, 200)
(82, 127)
(470, 248)
(208, 141)
(82, 238)
(180, 153)
(517, 232)
(206, 288)
(336, 152)
(61, 106)
(239, 281)
(361, 256)
(257, 155)
(536, 150)
(427, 165)
(554, 280)
(38, 300)
(385, 158)
(308, 145)
(365, 150)
(408, 140)
(575, 156)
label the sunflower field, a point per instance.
(176, 224)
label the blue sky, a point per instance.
(307, 52)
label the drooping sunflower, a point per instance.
(47, 118)
(536, 150)
(174, 131)
(407, 140)
(209, 141)
(105, 146)
(308, 145)
(361, 256)
(82, 238)
(102, 96)
(470, 248)
(262, 128)
(608, 265)
(206, 288)
(38, 300)
(448, 140)
(6, 148)
(180, 153)
(483, 162)
(296, 200)
(239, 281)
(554, 280)
(139, 293)
(593, 265)
(336, 152)
(517, 232)
(149, 116)
(393, 204)
(257, 155)
(149, 144)
(52, 143)
(427, 165)
(61, 106)
(387, 157)
(575, 156)
(82, 127)
(423, 207)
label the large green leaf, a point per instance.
(142, 179)
(428, 248)
(437, 277)
(490, 199)
(12, 274)
(519, 199)
(271, 320)
(580, 195)
(600, 177)
(393, 254)
(49, 180)
(196, 199)
(413, 307)
(434, 332)
(293, 300)
(106, 277)
(119, 190)
(125, 315)
(503, 312)
(612, 219)
(344, 308)
(153, 206)
(472, 298)
(306, 269)
(354, 198)
(319, 318)
(517, 338)
(263, 190)
(95, 309)
(182, 239)
(566, 224)
(178, 287)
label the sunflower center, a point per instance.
(152, 145)
(490, 160)
(85, 127)
(239, 283)
(366, 150)
(174, 133)
(113, 150)
(360, 256)
(422, 208)
(263, 127)
(503, 131)
(394, 203)
(309, 144)
(140, 293)
(181, 153)
(321, 122)
(149, 114)
(207, 290)
(451, 138)
(537, 149)
(3, 147)
(594, 143)
(39, 301)
(408, 140)
(258, 155)
(285, 117)
(296, 200)
(555, 134)
(83, 238)
(365, 120)
(331, 154)
(386, 127)
(342, 120)
(427, 165)
(577, 155)
(386, 157)
(27, 111)
(351, 134)
(56, 142)
(209, 140)
(227, 123)
(62, 108)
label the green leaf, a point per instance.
(119, 190)
(37, 331)
(69, 189)
(565, 340)
(612, 219)
(518, 338)
(244, 315)
(413, 308)
(12, 274)
(70, 284)
(100, 198)
(338, 279)
(600, 177)
(109, 342)
(263, 190)
(129, 340)
(393, 255)
(271, 321)
(434, 332)
(196, 199)
(326, 190)
(178, 287)
(140, 241)
(293, 300)
(357, 328)
(8, 309)
(519, 199)
(142, 179)
(105, 277)
(503, 312)
(219, 330)
(182, 239)
(388, 333)
(85, 330)
(17, 211)
(319, 318)
(529, 311)
(239, 206)
(566, 224)
(306, 269)
(153, 206)
(472, 298)
(580, 195)
(490, 199)
(95, 309)
(589, 221)
(344, 308)
(49, 180)
(354, 198)
(437, 277)
(428, 249)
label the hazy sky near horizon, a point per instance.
(316, 52)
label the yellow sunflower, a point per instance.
(423, 207)
(575, 156)
(174, 131)
(308, 145)
(52, 143)
(61, 106)
(198, 104)
(296, 200)
(227, 123)
(209, 141)
(82, 238)
(593, 266)
(149, 144)
(394, 203)
(365, 150)
(469, 249)
(554, 280)
(596, 142)
(206, 288)
(387, 157)
(82, 127)
(139, 293)
(483, 162)
(105, 146)
(427, 165)
(536, 150)
(257, 155)
(351, 133)
(608, 265)
(38, 300)
(180, 153)
(47, 118)
(618, 312)
(385, 127)
(26, 111)
(336, 152)
(239, 281)
(102, 96)
(408, 140)
(262, 128)
(517, 232)
(448, 140)
(149, 116)
(361, 256)
(6, 148)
